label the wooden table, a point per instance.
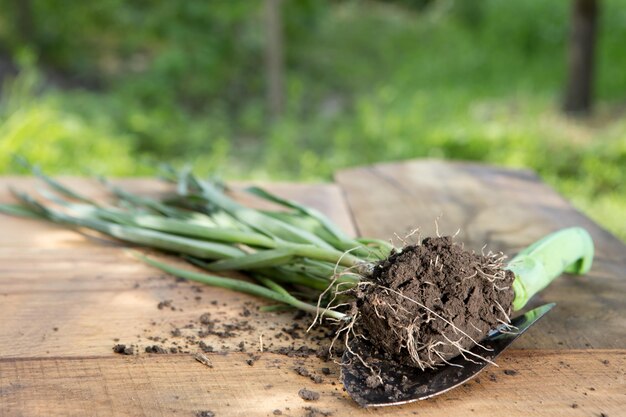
(67, 298)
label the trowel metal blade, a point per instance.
(404, 384)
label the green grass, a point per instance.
(366, 83)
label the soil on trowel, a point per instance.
(429, 302)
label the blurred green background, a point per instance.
(115, 87)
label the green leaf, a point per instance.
(324, 221)
(56, 185)
(260, 259)
(20, 211)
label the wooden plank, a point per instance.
(80, 316)
(507, 210)
(93, 293)
(26, 233)
(545, 383)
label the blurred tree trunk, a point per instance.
(24, 21)
(22, 16)
(274, 60)
(579, 88)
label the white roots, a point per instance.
(418, 350)
(427, 354)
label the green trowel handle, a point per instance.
(567, 250)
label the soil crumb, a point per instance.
(205, 413)
(301, 370)
(316, 412)
(155, 349)
(277, 412)
(431, 301)
(308, 395)
(510, 372)
(123, 349)
(164, 304)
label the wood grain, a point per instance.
(507, 210)
(546, 383)
(65, 298)
(76, 294)
(90, 308)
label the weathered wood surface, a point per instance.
(547, 383)
(65, 297)
(68, 294)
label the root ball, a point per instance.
(431, 302)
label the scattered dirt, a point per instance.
(277, 412)
(123, 349)
(165, 304)
(308, 395)
(300, 370)
(206, 413)
(510, 372)
(429, 302)
(431, 274)
(206, 318)
(155, 349)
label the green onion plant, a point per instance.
(291, 250)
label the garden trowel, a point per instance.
(568, 250)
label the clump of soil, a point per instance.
(123, 349)
(308, 395)
(431, 302)
(301, 370)
(155, 349)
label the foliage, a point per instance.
(40, 129)
(366, 82)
